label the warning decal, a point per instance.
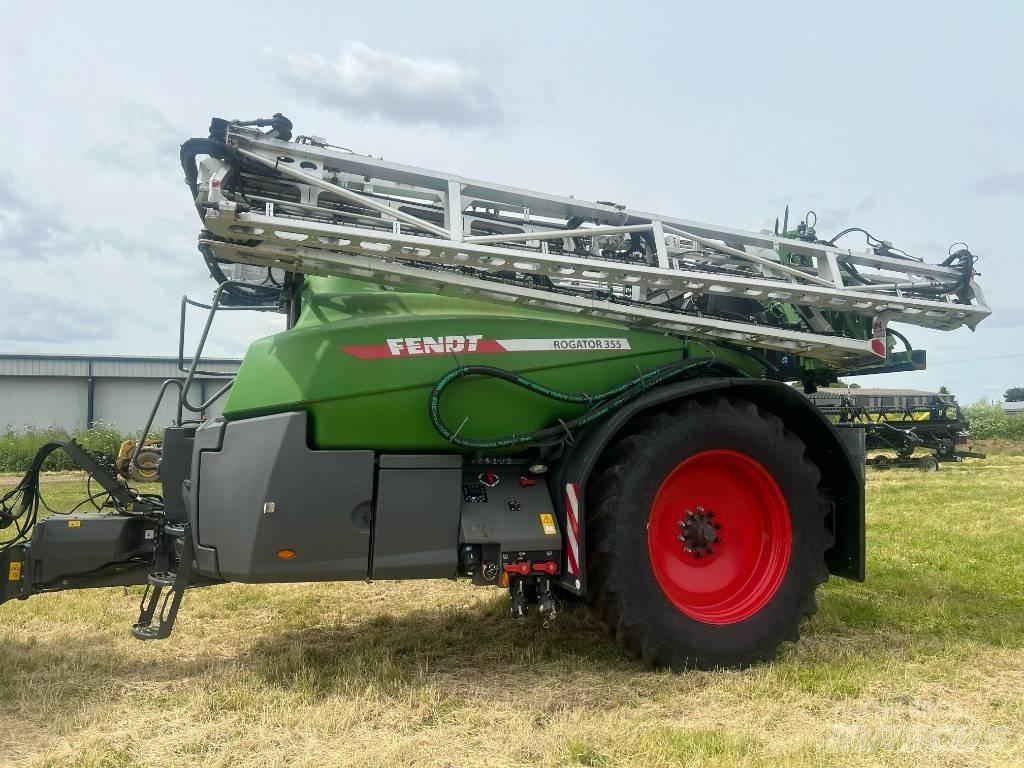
(548, 521)
(14, 571)
(414, 346)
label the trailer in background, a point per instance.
(901, 421)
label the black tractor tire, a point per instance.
(623, 496)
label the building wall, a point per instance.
(40, 391)
(42, 401)
(125, 403)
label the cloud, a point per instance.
(835, 216)
(828, 219)
(68, 284)
(1010, 317)
(27, 230)
(107, 293)
(406, 90)
(146, 141)
(36, 317)
(1001, 184)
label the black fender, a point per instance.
(838, 454)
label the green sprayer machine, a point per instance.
(570, 400)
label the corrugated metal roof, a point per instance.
(107, 366)
(904, 395)
(1013, 407)
(837, 391)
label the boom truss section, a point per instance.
(308, 207)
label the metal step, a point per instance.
(159, 606)
(162, 579)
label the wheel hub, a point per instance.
(698, 532)
(711, 579)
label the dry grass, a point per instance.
(921, 665)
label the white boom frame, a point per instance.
(290, 214)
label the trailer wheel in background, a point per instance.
(707, 536)
(147, 467)
(928, 464)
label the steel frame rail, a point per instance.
(384, 235)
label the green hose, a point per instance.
(601, 403)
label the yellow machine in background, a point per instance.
(146, 468)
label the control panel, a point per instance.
(509, 508)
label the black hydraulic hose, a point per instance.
(20, 506)
(901, 337)
(600, 404)
(192, 148)
(254, 295)
(852, 272)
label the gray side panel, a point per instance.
(416, 526)
(321, 504)
(208, 437)
(175, 466)
(422, 461)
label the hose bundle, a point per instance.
(599, 404)
(20, 506)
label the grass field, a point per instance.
(921, 665)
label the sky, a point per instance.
(902, 118)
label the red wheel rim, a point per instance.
(719, 536)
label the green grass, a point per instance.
(923, 664)
(18, 449)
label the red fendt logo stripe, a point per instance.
(418, 346)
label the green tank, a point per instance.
(361, 360)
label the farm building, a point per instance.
(1013, 409)
(77, 391)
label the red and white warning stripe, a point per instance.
(572, 533)
(417, 346)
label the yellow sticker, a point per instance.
(14, 573)
(74, 523)
(548, 521)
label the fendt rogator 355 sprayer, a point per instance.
(567, 399)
